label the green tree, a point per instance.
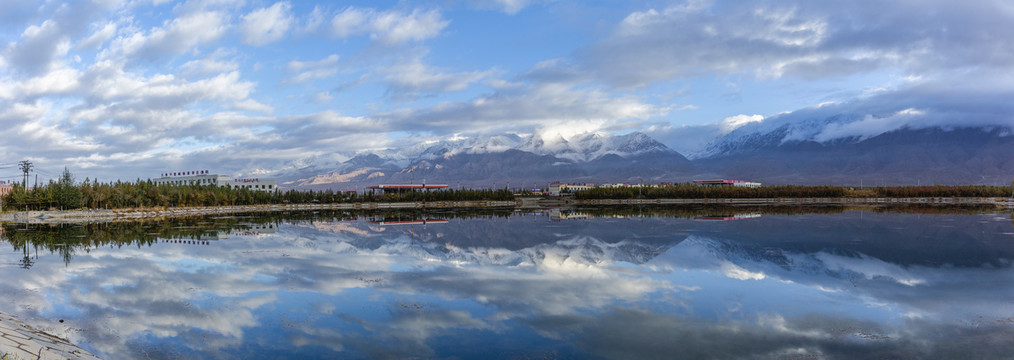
(65, 193)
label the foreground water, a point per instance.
(633, 283)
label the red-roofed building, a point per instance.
(387, 188)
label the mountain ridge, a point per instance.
(485, 161)
(777, 152)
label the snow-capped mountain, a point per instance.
(591, 146)
(774, 132)
(850, 149)
(486, 160)
(812, 146)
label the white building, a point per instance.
(556, 189)
(202, 178)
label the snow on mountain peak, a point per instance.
(592, 145)
(774, 131)
(580, 147)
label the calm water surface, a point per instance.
(633, 284)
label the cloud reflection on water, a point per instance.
(602, 288)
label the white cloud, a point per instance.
(869, 125)
(182, 34)
(527, 109)
(267, 25)
(98, 37)
(389, 27)
(314, 20)
(731, 123)
(321, 97)
(804, 39)
(58, 81)
(253, 106)
(212, 64)
(414, 77)
(509, 7)
(312, 70)
(38, 48)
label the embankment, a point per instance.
(106, 215)
(84, 216)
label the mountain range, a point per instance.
(775, 151)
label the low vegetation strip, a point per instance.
(692, 191)
(843, 201)
(66, 194)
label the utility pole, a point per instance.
(25, 167)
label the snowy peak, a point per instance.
(590, 146)
(475, 145)
(489, 159)
(638, 143)
(578, 148)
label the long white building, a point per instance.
(202, 178)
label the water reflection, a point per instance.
(589, 283)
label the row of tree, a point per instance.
(693, 191)
(66, 194)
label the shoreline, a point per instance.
(27, 342)
(110, 215)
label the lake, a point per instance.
(627, 283)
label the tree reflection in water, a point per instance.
(645, 282)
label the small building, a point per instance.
(399, 188)
(204, 178)
(724, 182)
(556, 188)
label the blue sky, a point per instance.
(127, 89)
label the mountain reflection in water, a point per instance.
(591, 283)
